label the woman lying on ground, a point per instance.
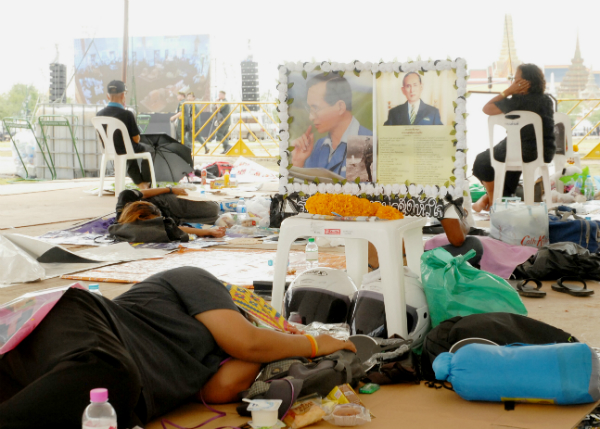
(526, 93)
(170, 338)
(162, 217)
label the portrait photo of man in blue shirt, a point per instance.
(329, 106)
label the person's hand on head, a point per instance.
(217, 232)
(179, 191)
(327, 345)
(519, 86)
(303, 147)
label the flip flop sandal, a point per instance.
(529, 291)
(559, 286)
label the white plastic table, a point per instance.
(386, 236)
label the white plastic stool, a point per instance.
(513, 122)
(120, 161)
(387, 238)
(564, 147)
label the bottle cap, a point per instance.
(270, 262)
(99, 395)
(311, 240)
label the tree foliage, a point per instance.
(19, 101)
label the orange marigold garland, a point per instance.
(349, 205)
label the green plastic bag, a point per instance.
(455, 288)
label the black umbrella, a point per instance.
(172, 160)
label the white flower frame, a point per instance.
(457, 185)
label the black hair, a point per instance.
(336, 88)
(534, 75)
(408, 74)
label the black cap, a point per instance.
(116, 87)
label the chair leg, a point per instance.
(499, 176)
(120, 166)
(528, 185)
(357, 254)
(102, 175)
(547, 190)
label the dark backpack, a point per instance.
(278, 210)
(319, 376)
(501, 328)
(218, 168)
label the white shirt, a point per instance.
(415, 107)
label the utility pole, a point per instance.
(125, 40)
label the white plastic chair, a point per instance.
(120, 161)
(560, 159)
(513, 122)
(387, 237)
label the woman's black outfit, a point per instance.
(537, 103)
(145, 347)
(175, 211)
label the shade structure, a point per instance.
(172, 160)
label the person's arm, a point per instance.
(149, 193)
(242, 340)
(520, 86)
(213, 232)
(176, 116)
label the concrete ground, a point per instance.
(36, 213)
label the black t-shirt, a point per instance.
(127, 118)
(175, 353)
(542, 105)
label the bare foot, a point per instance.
(144, 185)
(482, 204)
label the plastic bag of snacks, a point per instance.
(304, 412)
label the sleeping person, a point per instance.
(159, 216)
(175, 336)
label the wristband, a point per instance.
(170, 190)
(503, 94)
(313, 345)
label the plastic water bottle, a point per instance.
(578, 186)
(95, 289)
(99, 414)
(312, 254)
(241, 210)
(589, 188)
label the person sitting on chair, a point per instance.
(526, 93)
(116, 109)
(175, 336)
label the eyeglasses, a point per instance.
(314, 111)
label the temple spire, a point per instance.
(576, 77)
(508, 62)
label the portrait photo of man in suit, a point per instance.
(329, 108)
(414, 111)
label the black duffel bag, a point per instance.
(558, 260)
(501, 328)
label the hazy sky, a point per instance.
(544, 32)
